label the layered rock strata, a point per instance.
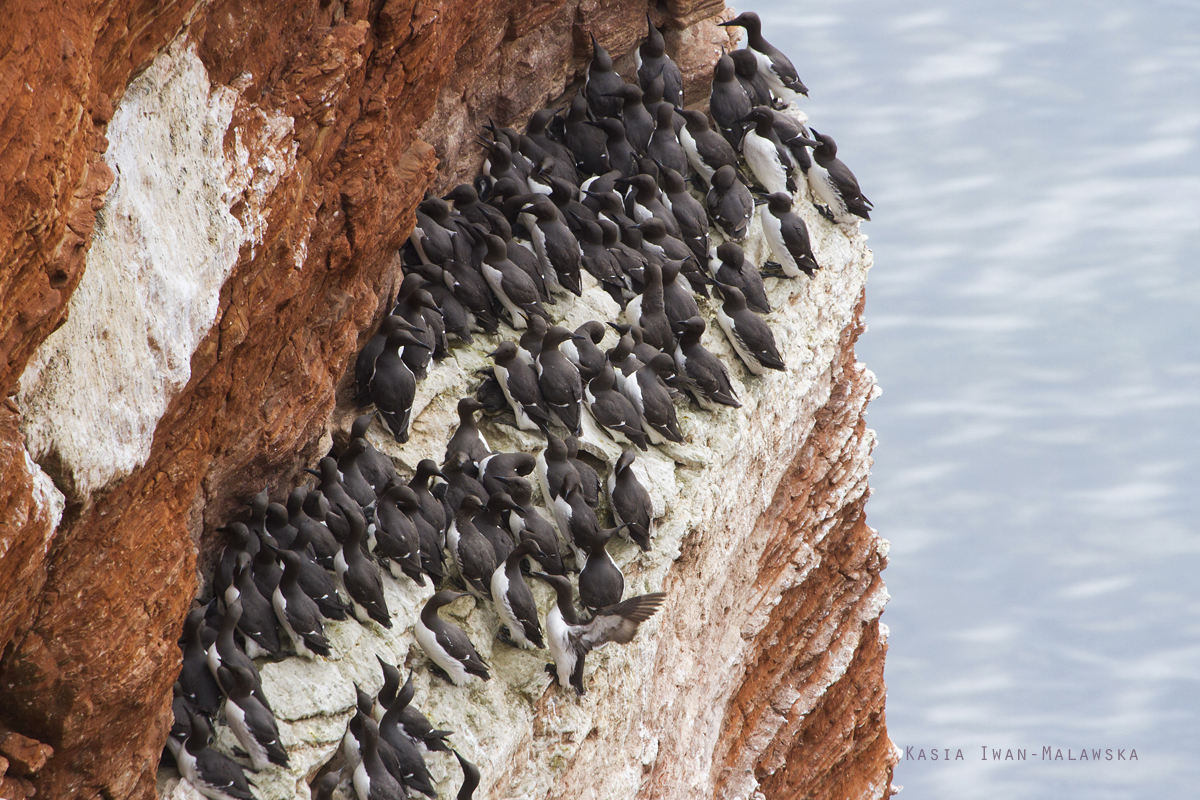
(266, 165)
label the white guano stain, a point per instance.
(165, 243)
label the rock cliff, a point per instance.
(203, 207)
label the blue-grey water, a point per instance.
(1032, 319)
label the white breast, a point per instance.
(773, 230)
(763, 159)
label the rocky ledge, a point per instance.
(213, 314)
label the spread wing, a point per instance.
(616, 623)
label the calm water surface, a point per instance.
(1033, 316)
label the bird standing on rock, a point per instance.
(787, 236)
(653, 62)
(730, 204)
(750, 336)
(834, 184)
(774, 65)
(446, 644)
(393, 385)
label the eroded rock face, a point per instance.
(314, 131)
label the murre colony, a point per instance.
(623, 190)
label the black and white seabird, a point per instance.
(576, 518)
(252, 724)
(431, 238)
(664, 146)
(556, 247)
(215, 775)
(513, 600)
(745, 65)
(589, 481)
(707, 150)
(456, 318)
(585, 141)
(631, 503)
(621, 155)
(750, 336)
(376, 468)
(330, 483)
(297, 612)
(266, 568)
(323, 789)
(639, 125)
(446, 644)
(652, 62)
(601, 583)
(530, 343)
(417, 306)
(472, 290)
(432, 509)
(397, 538)
(416, 725)
(834, 184)
(644, 202)
(519, 382)
(315, 581)
(537, 131)
(647, 313)
(472, 210)
(364, 365)
(602, 82)
(467, 437)
(708, 379)
(410, 767)
(766, 156)
(647, 390)
(258, 622)
(473, 553)
(597, 260)
(360, 576)
(570, 637)
(688, 211)
(458, 472)
(225, 651)
(559, 381)
(728, 103)
(200, 687)
(553, 467)
(612, 410)
(491, 523)
(515, 290)
(496, 468)
(526, 521)
(357, 486)
(678, 301)
(774, 65)
(393, 385)
(730, 267)
(583, 351)
(787, 236)
(730, 204)
(372, 780)
(666, 247)
(320, 538)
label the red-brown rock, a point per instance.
(25, 756)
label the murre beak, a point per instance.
(312, 471)
(802, 140)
